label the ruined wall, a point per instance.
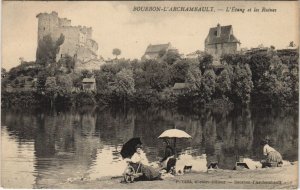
(78, 41)
(64, 22)
(47, 24)
(71, 42)
(92, 44)
(85, 54)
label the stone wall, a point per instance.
(47, 24)
(217, 50)
(78, 41)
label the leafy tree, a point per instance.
(205, 62)
(41, 80)
(123, 85)
(3, 72)
(64, 84)
(47, 49)
(51, 89)
(208, 85)
(179, 71)
(116, 52)
(223, 83)
(171, 56)
(242, 84)
(68, 62)
(86, 74)
(259, 64)
(234, 59)
(140, 79)
(157, 74)
(193, 77)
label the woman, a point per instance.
(168, 160)
(271, 154)
(139, 157)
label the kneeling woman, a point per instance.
(139, 157)
(271, 154)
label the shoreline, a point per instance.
(271, 178)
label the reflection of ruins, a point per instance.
(86, 142)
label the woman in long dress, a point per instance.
(149, 172)
(168, 160)
(271, 154)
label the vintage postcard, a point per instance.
(149, 94)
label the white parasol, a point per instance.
(174, 133)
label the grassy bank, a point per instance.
(270, 178)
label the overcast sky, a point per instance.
(115, 25)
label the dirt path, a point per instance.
(272, 178)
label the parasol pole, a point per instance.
(175, 152)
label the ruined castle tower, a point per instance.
(78, 41)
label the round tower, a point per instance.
(47, 23)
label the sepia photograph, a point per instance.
(149, 94)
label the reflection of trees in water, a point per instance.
(69, 140)
(61, 148)
(115, 126)
(73, 149)
(228, 135)
(281, 127)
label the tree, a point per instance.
(193, 78)
(205, 62)
(242, 84)
(259, 64)
(156, 74)
(171, 56)
(123, 85)
(64, 84)
(208, 85)
(140, 80)
(179, 71)
(223, 84)
(51, 89)
(116, 52)
(3, 72)
(47, 49)
(68, 62)
(86, 74)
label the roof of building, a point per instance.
(226, 35)
(157, 48)
(178, 86)
(89, 80)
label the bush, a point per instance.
(83, 98)
(22, 99)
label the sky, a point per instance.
(116, 25)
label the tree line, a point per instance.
(261, 78)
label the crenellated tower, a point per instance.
(47, 24)
(78, 42)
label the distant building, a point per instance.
(157, 51)
(180, 88)
(220, 40)
(89, 84)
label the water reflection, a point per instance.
(85, 143)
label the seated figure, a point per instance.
(149, 173)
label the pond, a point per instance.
(41, 147)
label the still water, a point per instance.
(43, 147)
